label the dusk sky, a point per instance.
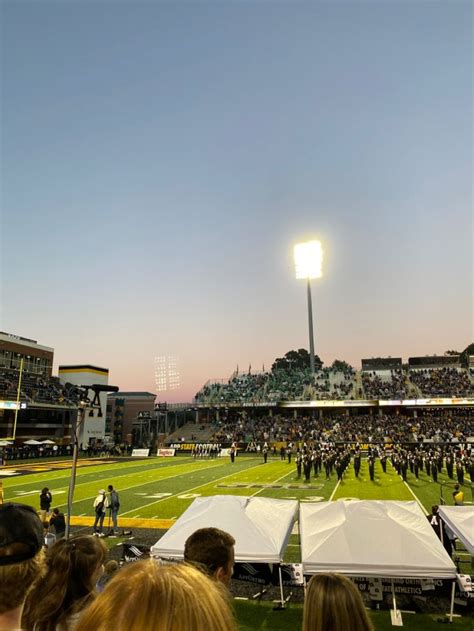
(159, 161)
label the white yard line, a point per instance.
(184, 491)
(335, 489)
(134, 486)
(86, 472)
(416, 498)
(272, 482)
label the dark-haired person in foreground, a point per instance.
(212, 551)
(21, 559)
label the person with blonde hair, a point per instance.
(333, 603)
(73, 567)
(147, 596)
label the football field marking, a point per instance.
(334, 491)
(134, 486)
(149, 480)
(273, 482)
(416, 498)
(185, 491)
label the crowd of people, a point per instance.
(452, 382)
(65, 587)
(393, 385)
(341, 383)
(278, 385)
(437, 426)
(33, 387)
(313, 459)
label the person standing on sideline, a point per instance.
(101, 503)
(58, 522)
(45, 504)
(114, 505)
(458, 496)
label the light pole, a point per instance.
(308, 257)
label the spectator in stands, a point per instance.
(146, 596)
(73, 568)
(333, 603)
(212, 551)
(21, 560)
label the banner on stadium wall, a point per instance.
(143, 453)
(167, 453)
(269, 573)
(432, 588)
(435, 401)
(134, 552)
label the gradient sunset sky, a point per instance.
(159, 161)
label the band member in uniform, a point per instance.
(307, 467)
(299, 462)
(371, 462)
(357, 460)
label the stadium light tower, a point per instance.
(308, 258)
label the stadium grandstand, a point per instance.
(426, 398)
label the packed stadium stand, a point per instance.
(374, 383)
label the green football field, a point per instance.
(162, 488)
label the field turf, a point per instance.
(162, 488)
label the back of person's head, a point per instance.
(73, 568)
(211, 550)
(333, 603)
(21, 553)
(111, 567)
(56, 511)
(146, 596)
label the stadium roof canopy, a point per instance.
(460, 520)
(260, 526)
(386, 539)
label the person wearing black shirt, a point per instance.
(45, 504)
(58, 521)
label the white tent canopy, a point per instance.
(460, 520)
(32, 441)
(260, 526)
(371, 538)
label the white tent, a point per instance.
(261, 526)
(48, 442)
(32, 441)
(460, 520)
(371, 538)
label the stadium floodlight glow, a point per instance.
(308, 259)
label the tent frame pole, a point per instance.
(281, 586)
(394, 600)
(451, 609)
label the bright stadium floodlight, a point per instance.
(308, 259)
(309, 264)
